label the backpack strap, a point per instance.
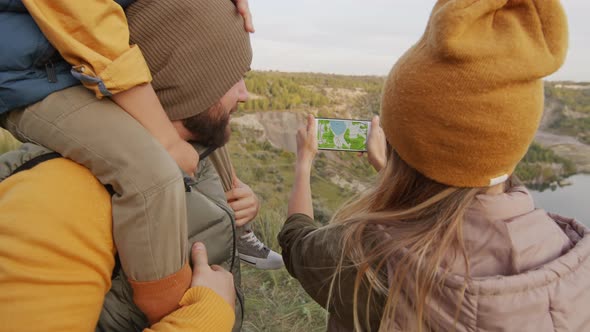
(36, 161)
(46, 157)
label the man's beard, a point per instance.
(217, 134)
(211, 127)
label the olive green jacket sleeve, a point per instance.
(311, 254)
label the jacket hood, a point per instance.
(529, 271)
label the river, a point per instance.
(570, 201)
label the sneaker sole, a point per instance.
(262, 263)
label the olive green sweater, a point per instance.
(311, 255)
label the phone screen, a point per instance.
(342, 134)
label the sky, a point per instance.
(366, 37)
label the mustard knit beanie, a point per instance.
(196, 50)
(462, 105)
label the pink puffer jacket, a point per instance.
(530, 270)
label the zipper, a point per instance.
(188, 182)
(230, 213)
(234, 253)
(188, 186)
(51, 74)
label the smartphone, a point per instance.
(342, 134)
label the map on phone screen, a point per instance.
(342, 135)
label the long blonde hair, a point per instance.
(409, 218)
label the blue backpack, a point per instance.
(30, 67)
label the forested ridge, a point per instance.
(359, 97)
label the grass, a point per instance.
(7, 142)
(274, 300)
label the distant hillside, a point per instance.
(565, 129)
(570, 111)
(321, 94)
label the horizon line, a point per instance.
(385, 75)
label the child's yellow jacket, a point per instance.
(92, 36)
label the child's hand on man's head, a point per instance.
(244, 10)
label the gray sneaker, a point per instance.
(255, 253)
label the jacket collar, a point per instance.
(514, 203)
(505, 235)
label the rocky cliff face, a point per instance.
(279, 128)
(563, 145)
(342, 169)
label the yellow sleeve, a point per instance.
(93, 37)
(202, 310)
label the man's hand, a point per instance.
(244, 10)
(185, 156)
(243, 201)
(214, 276)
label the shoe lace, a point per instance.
(250, 237)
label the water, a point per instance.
(570, 201)
(338, 127)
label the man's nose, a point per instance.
(243, 94)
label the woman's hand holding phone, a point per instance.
(307, 142)
(376, 145)
(307, 147)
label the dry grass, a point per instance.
(7, 142)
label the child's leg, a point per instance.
(149, 209)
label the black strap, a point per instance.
(45, 157)
(116, 268)
(207, 152)
(36, 161)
